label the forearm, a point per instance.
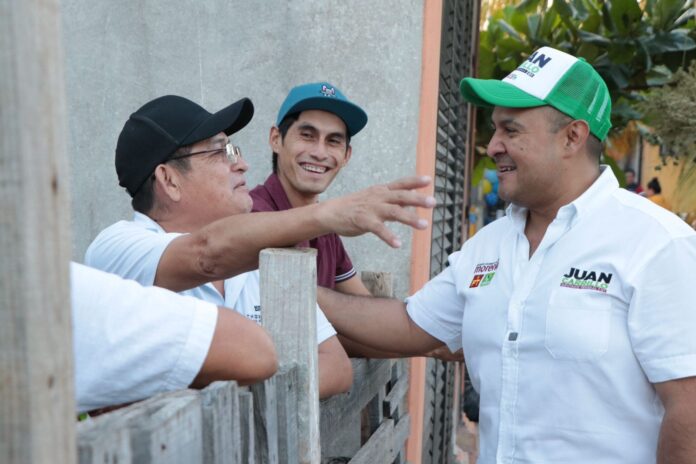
(677, 444)
(359, 350)
(379, 323)
(232, 244)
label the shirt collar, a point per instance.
(277, 193)
(146, 221)
(590, 199)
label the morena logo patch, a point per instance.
(483, 274)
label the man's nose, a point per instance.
(494, 147)
(240, 166)
(319, 150)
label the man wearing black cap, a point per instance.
(190, 232)
(577, 332)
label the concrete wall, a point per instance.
(120, 54)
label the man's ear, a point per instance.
(168, 181)
(349, 152)
(576, 134)
(274, 139)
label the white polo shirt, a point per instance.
(131, 342)
(564, 347)
(132, 249)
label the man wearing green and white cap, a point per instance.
(577, 332)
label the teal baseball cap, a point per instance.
(548, 77)
(326, 97)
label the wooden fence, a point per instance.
(278, 421)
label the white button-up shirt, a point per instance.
(564, 346)
(132, 249)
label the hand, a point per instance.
(369, 209)
(444, 354)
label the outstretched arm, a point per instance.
(379, 323)
(230, 246)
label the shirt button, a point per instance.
(512, 336)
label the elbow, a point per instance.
(339, 378)
(346, 380)
(266, 360)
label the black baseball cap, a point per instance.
(162, 126)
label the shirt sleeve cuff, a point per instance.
(195, 349)
(670, 368)
(420, 317)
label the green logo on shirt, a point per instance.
(487, 279)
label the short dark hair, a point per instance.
(654, 185)
(144, 199)
(594, 146)
(629, 171)
(284, 127)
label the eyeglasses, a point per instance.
(232, 152)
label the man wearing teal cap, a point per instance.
(577, 331)
(311, 144)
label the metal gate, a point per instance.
(452, 178)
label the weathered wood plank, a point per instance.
(292, 324)
(370, 375)
(341, 415)
(265, 421)
(377, 447)
(104, 442)
(394, 398)
(112, 437)
(385, 444)
(221, 440)
(401, 431)
(172, 435)
(37, 405)
(286, 389)
(246, 426)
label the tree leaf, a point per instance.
(594, 39)
(625, 16)
(673, 41)
(658, 76)
(509, 29)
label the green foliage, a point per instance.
(634, 45)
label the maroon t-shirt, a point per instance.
(333, 262)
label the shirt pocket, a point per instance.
(578, 325)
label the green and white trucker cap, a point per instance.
(548, 77)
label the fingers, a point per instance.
(409, 183)
(393, 213)
(401, 192)
(409, 198)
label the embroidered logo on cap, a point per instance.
(328, 91)
(586, 280)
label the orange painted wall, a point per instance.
(425, 165)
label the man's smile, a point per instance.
(313, 168)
